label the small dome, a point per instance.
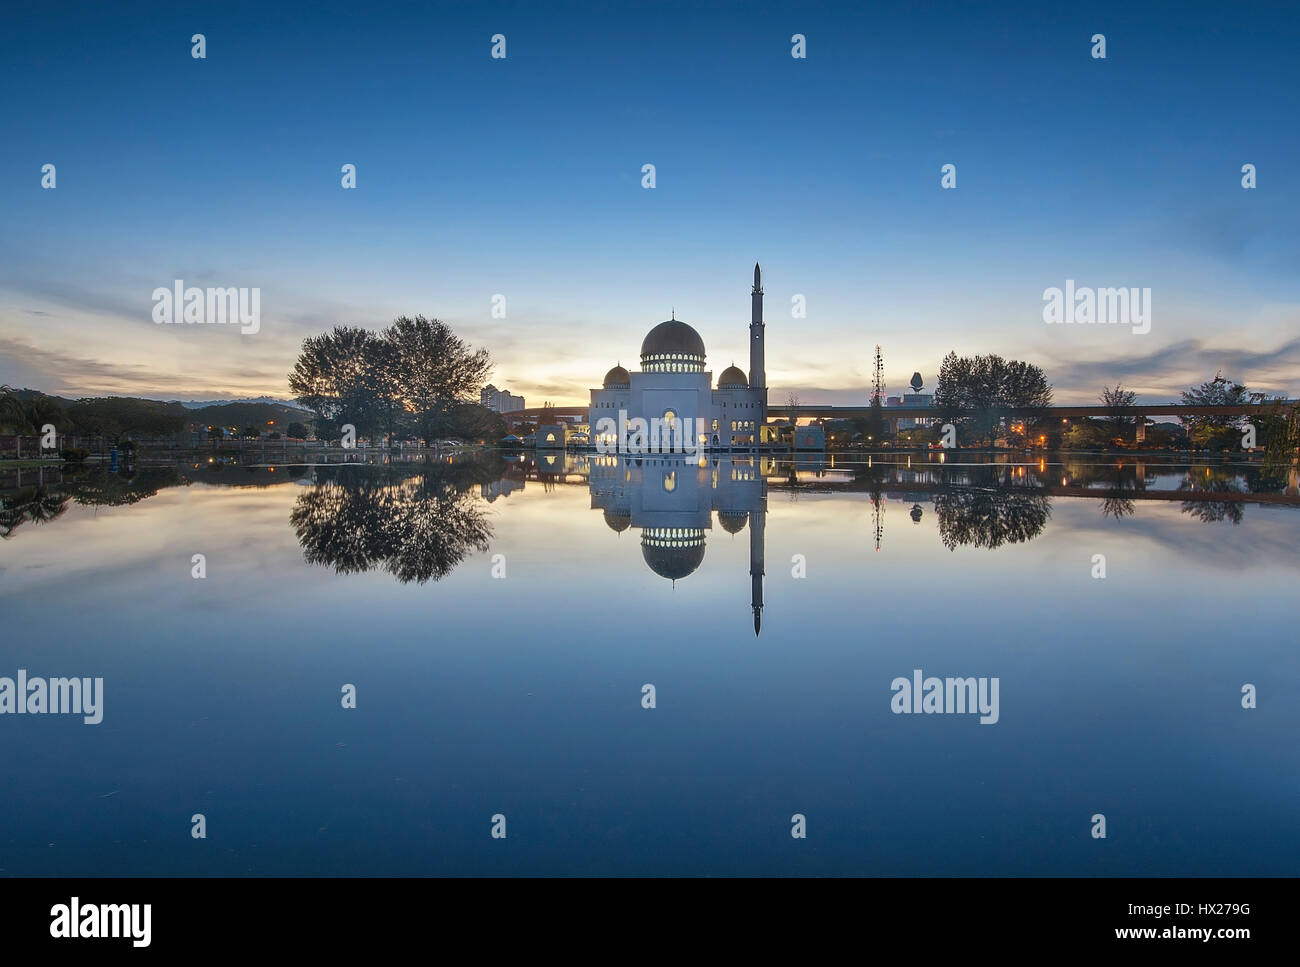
(617, 520)
(733, 521)
(618, 376)
(733, 378)
(672, 346)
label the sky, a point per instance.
(522, 177)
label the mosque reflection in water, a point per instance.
(420, 520)
(672, 500)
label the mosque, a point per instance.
(673, 385)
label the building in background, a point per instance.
(915, 398)
(499, 400)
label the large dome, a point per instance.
(672, 346)
(618, 376)
(733, 378)
(673, 553)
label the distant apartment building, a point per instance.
(499, 400)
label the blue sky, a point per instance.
(522, 177)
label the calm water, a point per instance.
(521, 694)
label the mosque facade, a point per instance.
(673, 387)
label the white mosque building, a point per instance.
(673, 385)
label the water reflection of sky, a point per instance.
(522, 695)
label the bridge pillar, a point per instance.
(1142, 429)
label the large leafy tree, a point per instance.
(981, 392)
(1218, 430)
(1118, 401)
(434, 371)
(344, 376)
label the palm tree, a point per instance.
(13, 413)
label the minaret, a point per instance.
(757, 367)
(756, 525)
(757, 371)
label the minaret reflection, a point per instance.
(757, 527)
(671, 499)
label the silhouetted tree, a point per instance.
(433, 371)
(980, 392)
(1118, 401)
(344, 376)
(1221, 430)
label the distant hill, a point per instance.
(248, 414)
(270, 400)
(239, 413)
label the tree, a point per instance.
(1084, 434)
(296, 431)
(115, 417)
(1217, 431)
(340, 375)
(792, 401)
(13, 415)
(980, 392)
(1118, 401)
(27, 412)
(471, 421)
(432, 370)
(1283, 436)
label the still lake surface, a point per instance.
(521, 694)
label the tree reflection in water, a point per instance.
(95, 487)
(37, 505)
(1117, 507)
(417, 527)
(982, 510)
(1219, 480)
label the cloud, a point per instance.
(1170, 369)
(67, 374)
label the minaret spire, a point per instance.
(757, 366)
